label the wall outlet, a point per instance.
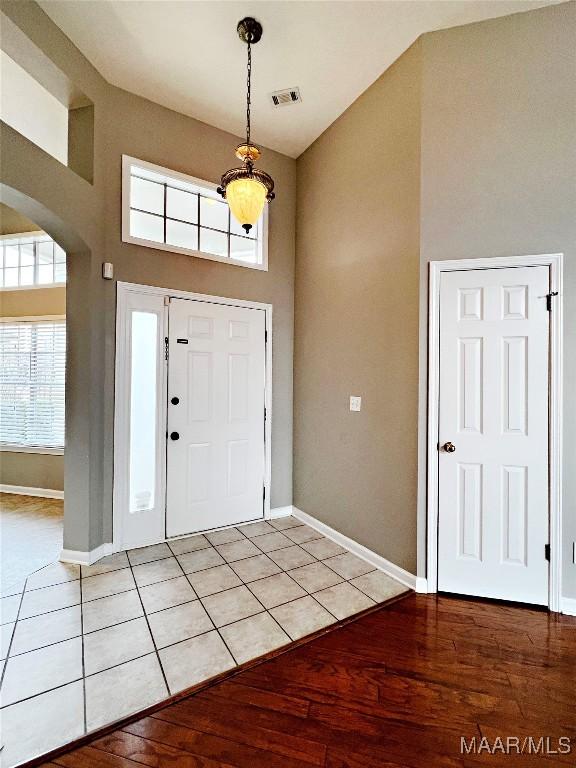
(355, 403)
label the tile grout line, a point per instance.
(83, 661)
(150, 629)
(247, 584)
(318, 560)
(16, 619)
(56, 584)
(206, 612)
(48, 645)
(282, 570)
(303, 566)
(40, 693)
(268, 612)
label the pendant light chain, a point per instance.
(247, 189)
(248, 91)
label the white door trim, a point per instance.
(555, 263)
(121, 382)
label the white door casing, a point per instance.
(147, 524)
(217, 370)
(493, 491)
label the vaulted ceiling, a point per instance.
(188, 57)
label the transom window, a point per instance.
(171, 211)
(31, 259)
(32, 376)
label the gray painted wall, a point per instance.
(357, 318)
(493, 131)
(32, 470)
(12, 222)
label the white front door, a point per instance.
(216, 399)
(493, 488)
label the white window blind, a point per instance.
(32, 376)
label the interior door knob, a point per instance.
(449, 447)
(175, 400)
(174, 436)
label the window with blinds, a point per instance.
(32, 379)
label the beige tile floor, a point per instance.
(85, 646)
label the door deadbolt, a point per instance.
(449, 447)
(174, 436)
(175, 400)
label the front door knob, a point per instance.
(449, 447)
(174, 436)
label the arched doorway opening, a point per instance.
(32, 397)
(82, 526)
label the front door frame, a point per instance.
(121, 373)
(555, 264)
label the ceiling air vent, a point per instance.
(285, 97)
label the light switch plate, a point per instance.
(355, 402)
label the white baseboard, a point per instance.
(421, 585)
(568, 606)
(78, 557)
(22, 490)
(404, 577)
(281, 512)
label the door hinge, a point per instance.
(264, 493)
(547, 552)
(549, 300)
(265, 336)
(165, 347)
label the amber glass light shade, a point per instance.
(246, 198)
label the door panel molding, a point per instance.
(471, 305)
(215, 469)
(121, 438)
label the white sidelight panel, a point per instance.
(143, 402)
(139, 514)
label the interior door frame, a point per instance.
(121, 426)
(555, 264)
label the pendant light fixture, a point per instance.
(247, 188)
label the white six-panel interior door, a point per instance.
(216, 400)
(493, 501)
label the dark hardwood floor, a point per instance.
(398, 687)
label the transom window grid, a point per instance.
(32, 383)
(172, 211)
(31, 260)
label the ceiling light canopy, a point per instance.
(247, 189)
